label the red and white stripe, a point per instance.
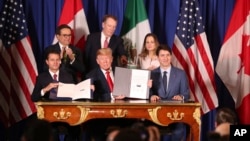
(198, 65)
(18, 72)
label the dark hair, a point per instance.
(143, 131)
(39, 130)
(105, 17)
(163, 47)
(144, 51)
(226, 115)
(52, 51)
(60, 27)
(128, 134)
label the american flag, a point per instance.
(191, 52)
(18, 68)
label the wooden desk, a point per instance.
(161, 113)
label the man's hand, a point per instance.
(119, 97)
(178, 97)
(70, 53)
(50, 86)
(154, 98)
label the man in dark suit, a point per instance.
(105, 38)
(45, 83)
(71, 56)
(103, 92)
(172, 86)
(99, 76)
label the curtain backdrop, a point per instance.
(42, 18)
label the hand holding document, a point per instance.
(81, 90)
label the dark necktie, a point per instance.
(64, 54)
(109, 80)
(106, 43)
(53, 91)
(164, 80)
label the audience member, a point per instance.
(103, 39)
(71, 56)
(169, 83)
(148, 58)
(112, 131)
(225, 115)
(128, 134)
(223, 119)
(39, 130)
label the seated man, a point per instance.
(48, 80)
(102, 77)
(169, 83)
(45, 88)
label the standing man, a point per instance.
(71, 56)
(104, 39)
(169, 83)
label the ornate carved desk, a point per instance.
(161, 113)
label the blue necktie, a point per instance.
(164, 80)
(53, 91)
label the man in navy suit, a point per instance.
(45, 83)
(172, 86)
(71, 56)
(105, 38)
(103, 92)
(98, 76)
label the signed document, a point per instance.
(133, 83)
(75, 91)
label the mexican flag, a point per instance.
(135, 25)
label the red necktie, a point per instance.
(106, 43)
(55, 77)
(53, 91)
(109, 80)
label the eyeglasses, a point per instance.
(66, 35)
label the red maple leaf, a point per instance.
(245, 54)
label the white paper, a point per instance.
(139, 84)
(75, 91)
(133, 83)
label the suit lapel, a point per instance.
(103, 79)
(172, 79)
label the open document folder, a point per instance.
(75, 91)
(133, 83)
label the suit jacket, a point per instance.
(98, 79)
(93, 43)
(178, 84)
(76, 67)
(43, 80)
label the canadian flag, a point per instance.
(73, 14)
(233, 65)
